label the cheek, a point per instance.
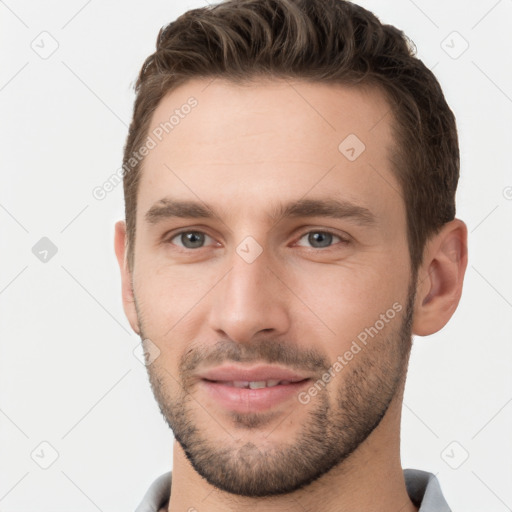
(163, 316)
(169, 300)
(342, 300)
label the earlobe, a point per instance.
(440, 278)
(126, 276)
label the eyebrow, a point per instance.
(167, 208)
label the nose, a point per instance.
(250, 300)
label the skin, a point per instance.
(243, 150)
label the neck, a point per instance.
(370, 479)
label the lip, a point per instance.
(230, 373)
(217, 384)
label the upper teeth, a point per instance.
(256, 384)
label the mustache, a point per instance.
(264, 351)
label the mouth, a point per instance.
(243, 375)
(247, 389)
(256, 384)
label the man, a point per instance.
(290, 175)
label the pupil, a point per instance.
(192, 239)
(319, 239)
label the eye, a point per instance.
(190, 239)
(321, 239)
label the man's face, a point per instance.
(259, 286)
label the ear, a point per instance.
(440, 278)
(126, 276)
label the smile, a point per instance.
(257, 384)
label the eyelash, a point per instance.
(343, 241)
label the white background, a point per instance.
(68, 375)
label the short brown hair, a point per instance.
(328, 41)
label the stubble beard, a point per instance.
(333, 428)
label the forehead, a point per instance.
(272, 139)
